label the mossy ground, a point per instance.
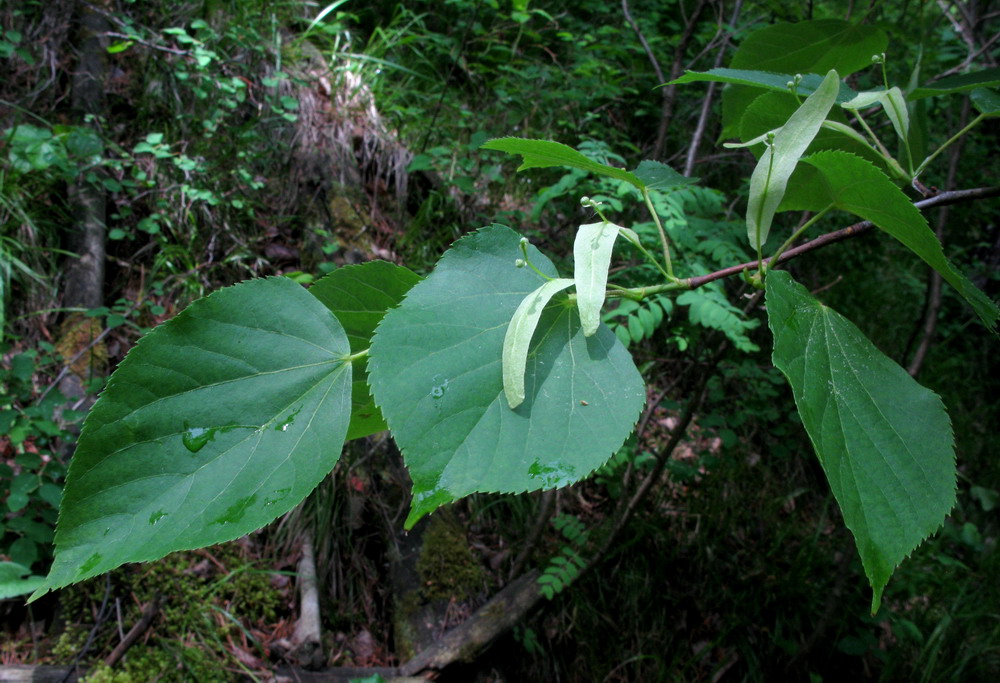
(447, 567)
(218, 607)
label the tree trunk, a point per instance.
(84, 273)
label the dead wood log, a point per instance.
(39, 674)
(467, 640)
(307, 640)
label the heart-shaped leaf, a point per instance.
(359, 296)
(215, 423)
(884, 441)
(806, 47)
(436, 373)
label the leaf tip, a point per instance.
(877, 598)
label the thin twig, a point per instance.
(146, 43)
(98, 622)
(932, 305)
(668, 93)
(706, 104)
(541, 521)
(149, 613)
(942, 199)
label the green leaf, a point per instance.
(360, 296)
(545, 154)
(518, 338)
(884, 441)
(986, 101)
(763, 79)
(658, 176)
(808, 47)
(770, 177)
(17, 580)
(216, 422)
(987, 78)
(816, 46)
(592, 259)
(119, 46)
(436, 372)
(854, 185)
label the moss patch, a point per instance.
(203, 594)
(447, 566)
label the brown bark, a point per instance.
(83, 285)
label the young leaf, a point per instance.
(854, 185)
(519, 333)
(987, 78)
(437, 375)
(546, 153)
(216, 422)
(884, 441)
(359, 296)
(767, 184)
(591, 261)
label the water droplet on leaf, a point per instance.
(195, 438)
(156, 517)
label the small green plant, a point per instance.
(495, 372)
(31, 470)
(566, 565)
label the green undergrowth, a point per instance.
(212, 602)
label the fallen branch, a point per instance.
(464, 642)
(307, 640)
(149, 613)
